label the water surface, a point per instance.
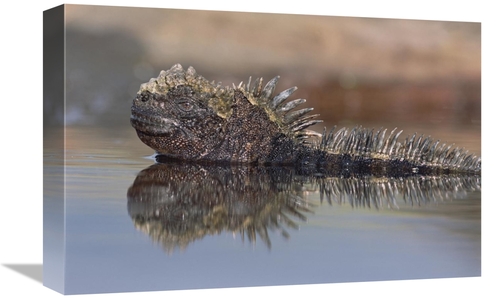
(134, 226)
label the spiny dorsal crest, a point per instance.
(221, 98)
(294, 122)
(423, 150)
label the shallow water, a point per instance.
(131, 226)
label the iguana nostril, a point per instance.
(144, 98)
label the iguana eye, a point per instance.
(185, 105)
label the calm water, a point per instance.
(131, 226)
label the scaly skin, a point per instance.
(183, 116)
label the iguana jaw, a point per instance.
(148, 121)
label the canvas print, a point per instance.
(188, 149)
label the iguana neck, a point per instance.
(249, 137)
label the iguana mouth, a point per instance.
(150, 124)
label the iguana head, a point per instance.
(181, 114)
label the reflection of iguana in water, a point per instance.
(182, 115)
(177, 203)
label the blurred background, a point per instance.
(352, 70)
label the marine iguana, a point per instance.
(183, 116)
